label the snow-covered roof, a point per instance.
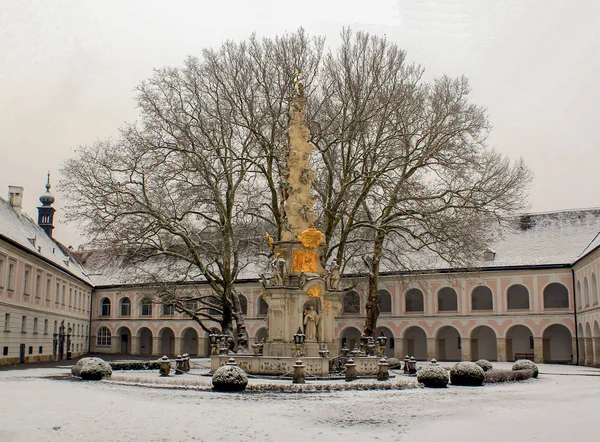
(25, 232)
(538, 239)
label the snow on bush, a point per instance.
(433, 376)
(485, 364)
(229, 378)
(495, 376)
(91, 369)
(526, 364)
(468, 374)
(394, 363)
(135, 365)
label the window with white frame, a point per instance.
(10, 282)
(168, 310)
(26, 278)
(146, 309)
(2, 261)
(48, 287)
(125, 307)
(38, 285)
(103, 337)
(105, 307)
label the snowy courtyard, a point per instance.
(561, 405)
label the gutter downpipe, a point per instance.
(575, 317)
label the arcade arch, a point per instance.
(189, 341)
(350, 337)
(124, 335)
(447, 300)
(519, 339)
(556, 295)
(517, 297)
(145, 341)
(449, 346)
(482, 298)
(414, 301)
(415, 342)
(558, 344)
(484, 343)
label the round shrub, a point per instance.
(433, 376)
(526, 364)
(468, 374)
(394, 363)
(229, 378)
(92, 369)
(485, 364)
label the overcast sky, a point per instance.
(68, 69)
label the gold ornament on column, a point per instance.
(311, 238)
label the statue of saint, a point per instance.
(334, 275)
(311, 322)
(279, 269)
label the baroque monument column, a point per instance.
(301, 293)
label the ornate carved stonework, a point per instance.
(306, 261)
(311, 238)
(314, 292)
(327, 305)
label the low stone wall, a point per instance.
(280, 365)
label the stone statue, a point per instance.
(301, 278)
(279, 269)
(311, 322)
(334, 275)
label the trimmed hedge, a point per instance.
(229, 378)
(495, 376)
(394, 363)
(485, 364)
(526, 364)
(433, 376)
(134, 365)
(467, 374)
(91, 369)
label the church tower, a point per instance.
(46, 211)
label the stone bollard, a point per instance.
(179, 364)
(231, 361)
(383, 373)
(405, 368)
(412, 366)
(186, 362)
(350, 370)
(434, 361)
(298, 372)
(164, 366)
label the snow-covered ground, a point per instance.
(563, 404)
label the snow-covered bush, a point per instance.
(229, 378)
(394, 363)
(526, 364)
(485, 364)
(91, 369)
(468, 374)
(433, 376)
(134, 365)
(495, 376)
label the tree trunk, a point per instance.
(372, 306)
(240, 323)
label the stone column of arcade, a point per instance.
(300, 292)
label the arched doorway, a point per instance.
(167, 341)
(484, 344)
(350, 337)
(449, 344)
(415, 343)
(124, 335)
(519, 339)
(390, 345)
(558, 345)
(145, 338)
(190, 341)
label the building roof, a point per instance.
(551, 239)
(24, 233)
